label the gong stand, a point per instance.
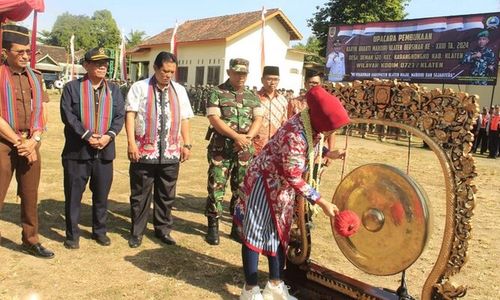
(402, 291)
(443, 120)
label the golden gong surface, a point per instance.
(395, 220)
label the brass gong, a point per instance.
(395, 220)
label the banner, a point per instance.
(112, 61)
(452, 50)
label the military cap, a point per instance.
(337, 43)
(239, 65)
(483, 33)
(271, 70)
(97, 53)
(15, 34)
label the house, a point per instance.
(205, 47)
(53, 61)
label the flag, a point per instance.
(33, 41)
(173, 40)
(262, 46)
(72, 49)
(123, 60)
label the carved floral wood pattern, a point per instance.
(444, 119)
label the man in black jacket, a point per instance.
(92, 110)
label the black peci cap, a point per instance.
(15, 34)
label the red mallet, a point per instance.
(347, 223)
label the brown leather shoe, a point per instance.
(38, 250)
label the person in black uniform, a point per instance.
(92, 110)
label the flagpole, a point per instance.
(33, 41)
(173, 44)
(123, 59)
(262, 45)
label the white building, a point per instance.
(205, 47)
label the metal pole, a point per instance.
(492, 95)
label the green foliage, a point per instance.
(134, 38)
(105, 29)
(337, 12)
(90, 32)
(313, 47)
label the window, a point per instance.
(182, 74)
(213, 75)
(200, 73)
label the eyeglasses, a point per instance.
(21, 52)
(272, 79)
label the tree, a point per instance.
(105, 29)
(134, 38)
(100, 30)
(66, 25)
(351, 12)
(313, 47)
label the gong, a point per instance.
(395, 220)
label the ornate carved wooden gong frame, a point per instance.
(441, 118)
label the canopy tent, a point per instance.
(18, 10)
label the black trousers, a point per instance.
(152, 182)
(481, 141)
(493, 137)
(76, 176)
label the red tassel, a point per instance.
(347, 223)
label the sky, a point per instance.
(154, 16)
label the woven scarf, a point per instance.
(99, 122)
(8, 103)
(151, 120)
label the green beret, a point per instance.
(484, 33)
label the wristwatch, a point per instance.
(188, 146)
(37, 138)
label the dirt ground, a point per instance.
(192, 269)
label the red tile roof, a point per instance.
(58, 54)
(220, 28)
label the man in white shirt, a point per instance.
(336, 63)
(157, 125)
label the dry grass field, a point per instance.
(194, 270)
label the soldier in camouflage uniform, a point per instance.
(235, 115)
(482, 58)
(197, 99)
(204, 98)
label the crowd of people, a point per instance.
(487, 132)
(261, 141)
(155, 112)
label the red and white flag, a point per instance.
(262, 45)
(173, 40)
(123, 59)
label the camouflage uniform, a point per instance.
(480, 65)
(237, 111)
(483, 66)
